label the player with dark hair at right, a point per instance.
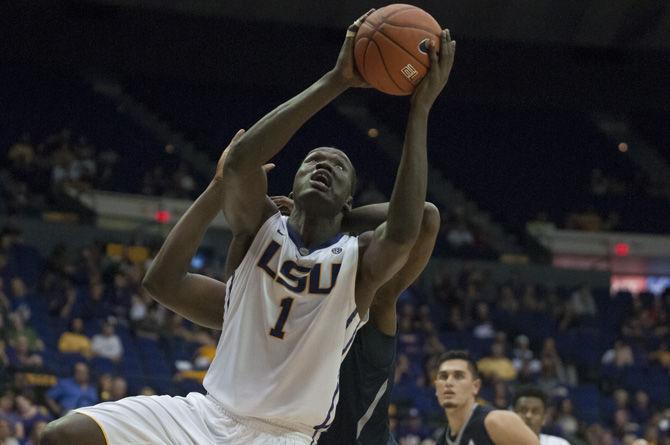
(457, 385)
(531, 404)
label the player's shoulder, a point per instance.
(499, 419)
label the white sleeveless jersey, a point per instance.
(290, 318)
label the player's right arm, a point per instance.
(195, 297)
(246, 206)
(507, 428)
(384, 251)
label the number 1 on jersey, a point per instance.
(277, 331)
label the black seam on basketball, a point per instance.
(399, 11)
(396, 44)
(388, 72)
(365, 54)
(374, 28)
(418, 28)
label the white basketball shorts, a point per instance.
(194, 419)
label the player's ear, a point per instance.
(477, 383)
(348, 205)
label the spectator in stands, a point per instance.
(412, 431)
(62, 300)
(105, 387)
(36, 433)
(623, 425)
(30, 413)
(107, 344)
(620, 356)
(19, 329)
(483, 324)
(582, 304)
(641, 411)
(459, 236)
(4, 363)
(96, 306)
(6, 437)
(5, 305)
(661, 355)
(146, 316)
(566, 418)
(183, 181)
(75, 340)
(71, 393)
(565, 374)
(501, 395)
(21, 357)
(525, 363)
(119, 388)
(19, 293)
(120, 295)
(9, 414)
(497, 365)
(147, 391)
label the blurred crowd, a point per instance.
(47, 175)
(78, 329)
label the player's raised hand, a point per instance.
(345, 67)
(440, 67)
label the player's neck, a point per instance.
(314, 230)
(458, 416)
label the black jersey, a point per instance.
(366, 380)
(474, 432)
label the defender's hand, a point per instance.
(222, 160)
(345, 67)
(283, 203)
(440, 67)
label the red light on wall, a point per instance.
(162, 216)
(621, 249)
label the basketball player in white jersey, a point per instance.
(531, 405)
(293, 306)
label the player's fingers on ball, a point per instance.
(432, 52)
(357, 23)
(446, 35)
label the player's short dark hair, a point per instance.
(460, 355)
(530, 391)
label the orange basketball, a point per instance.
(391, 47)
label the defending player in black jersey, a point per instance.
(456, 385)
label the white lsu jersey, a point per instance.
(289, 319)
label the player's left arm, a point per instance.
(384, 252)
(507, 428)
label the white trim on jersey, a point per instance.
(364, 420)
(547, 439)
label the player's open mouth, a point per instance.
(320, 180)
